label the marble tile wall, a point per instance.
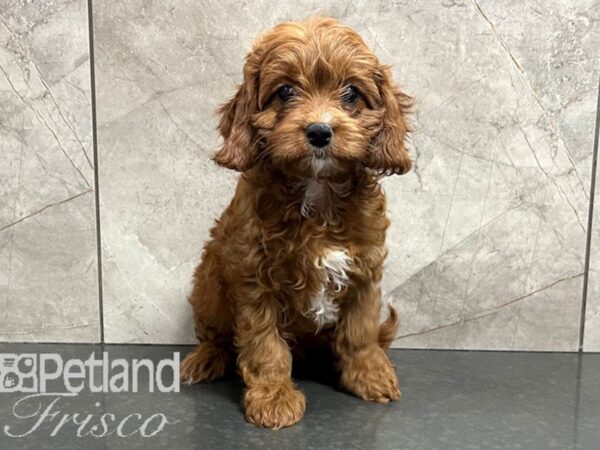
(48, 269)
(506, 152)
(488, 242)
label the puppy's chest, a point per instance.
(332, 267)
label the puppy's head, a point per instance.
(315, 101)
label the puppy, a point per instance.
(296, 258)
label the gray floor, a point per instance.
(451, 400)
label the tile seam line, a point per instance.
(90, 15)
(588, 242)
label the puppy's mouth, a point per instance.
(320, 152)
(322, 162)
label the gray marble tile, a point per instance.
(517, 116)
(488, 235)
(556, 46)
(48, 272)
(591, 342)
(561, 59)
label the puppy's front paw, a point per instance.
(274, 406)
(370, 375)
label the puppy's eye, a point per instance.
(286, 93)
(350, 94)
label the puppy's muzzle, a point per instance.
(319, 135)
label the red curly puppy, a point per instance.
(297, 256)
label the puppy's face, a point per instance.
(315, 101)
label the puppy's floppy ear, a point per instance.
(239, 136)
(388, 154)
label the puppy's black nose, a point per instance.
(319, 134)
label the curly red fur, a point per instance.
(267, 259)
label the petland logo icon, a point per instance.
(18, 373)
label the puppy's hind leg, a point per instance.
(212, 315)
(206, 363)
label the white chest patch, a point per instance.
(334, 265)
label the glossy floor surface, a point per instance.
(451, 400)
